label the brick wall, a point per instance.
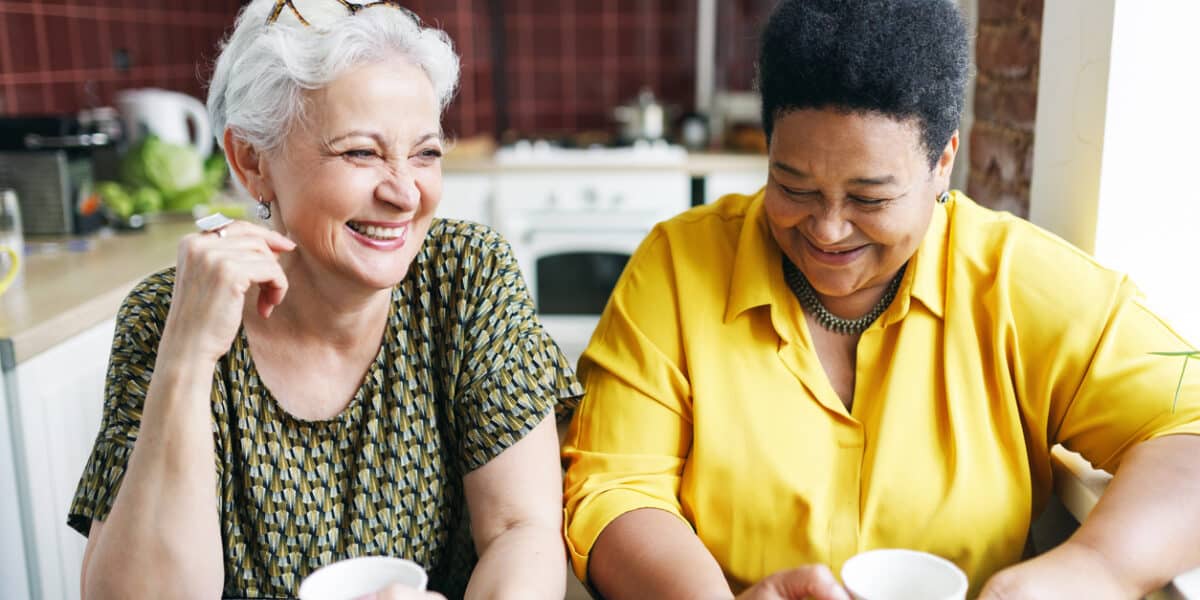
(1006, 54)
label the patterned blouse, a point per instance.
(464, 371)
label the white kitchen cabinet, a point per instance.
(59, 404)
(466, 196)
(741, 181)
(14, 575)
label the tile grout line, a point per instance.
(73, 32)
(462, 18)
(168, 16)
(10, 94)
(527, 74)
(170, 71)
(104, 38)
(568, 63)
(43, 51)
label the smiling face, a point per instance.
(849, 197)
(356, 182)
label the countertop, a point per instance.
(696, 164)
(65, 292)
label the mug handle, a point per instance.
(7, 279)
(198, 115)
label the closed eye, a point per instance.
(869, 201)
(359, 153)
(797, 192)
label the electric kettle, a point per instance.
(165, 114)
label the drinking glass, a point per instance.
(12, 244)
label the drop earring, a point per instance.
(264, 209)
(944, 198)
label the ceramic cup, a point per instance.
(896, 574)
(356, 577)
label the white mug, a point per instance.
(356, 577)
(165, 114)
(895, 574)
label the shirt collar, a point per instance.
(756, 266)
(756, 263)
(926, 273)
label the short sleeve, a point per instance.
(629, 441)
(1128, 393)
(131, 363)
(512, 374)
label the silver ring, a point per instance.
(214, 223)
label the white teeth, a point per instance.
(379, 233)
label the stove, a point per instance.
(574, 216)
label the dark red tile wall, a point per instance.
(61, 55)
(738, 26)
(571, 61)
(473, 110)
(567, 62)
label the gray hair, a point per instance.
(262, 70)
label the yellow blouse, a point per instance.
(706, 399)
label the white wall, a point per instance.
(1114, 150)
(1148, 222)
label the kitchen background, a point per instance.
(541, 80)
(531, 68)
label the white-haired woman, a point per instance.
(351, 378)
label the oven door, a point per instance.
(571, 273)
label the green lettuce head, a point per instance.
(168, 168)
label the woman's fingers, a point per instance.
(213, 275)
(250, 238)
(241, 229)
(811, 581)
(270, 295)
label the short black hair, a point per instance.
(906, 59)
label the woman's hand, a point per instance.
(1068, 571)
(213, 276)
(811, 581)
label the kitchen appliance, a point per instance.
(735, 122)
(693, 132)
(644, 119)
(49, 161)
(171, 116)
(574, 216)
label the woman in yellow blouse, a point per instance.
(853, 358)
